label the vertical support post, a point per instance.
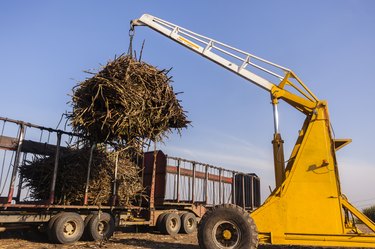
(252, 192)
(213, 191)
(114, 193)
(243, 192)
(153, 179)
(166, 181)
(206, 186)
(20, 181)
(193, 184)
(189, 186)
(223, 184)
(278, 148)
(220, 188)
(16, 163)
(56, 165)
(233, 187)
(178, 179)
(85, 199)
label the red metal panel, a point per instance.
(160, 175)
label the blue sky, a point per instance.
(46, 45)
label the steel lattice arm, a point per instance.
(244, 64)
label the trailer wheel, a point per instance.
(159, 222)
(51, 222)
(68, 228)
(170, 224)
(100, 226)
(227, 226)
(188, 223)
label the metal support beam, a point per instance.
(85, 199)
(16, 163)
(56, 165)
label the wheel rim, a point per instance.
(102, 227)
(190, 223)
(70, 228)
(173, 223)
(226, 235)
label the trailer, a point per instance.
(177, 192)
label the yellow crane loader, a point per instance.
(307, 206)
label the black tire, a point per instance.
(227, 226)
(188, 223)
(85, 230)
(170, 224)
(68, 228)
(51, 222)
(159, 222)
(100, 226)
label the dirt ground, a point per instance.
(128, 240)
(120, 240)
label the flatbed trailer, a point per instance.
(177, 192)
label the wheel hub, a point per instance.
(190, 223)
(227, 234)
(101, 227)
(173, 223)
(69, 228)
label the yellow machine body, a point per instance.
(308, 208)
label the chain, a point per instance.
(131, 36)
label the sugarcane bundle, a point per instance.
(127, 101)
(71, 177)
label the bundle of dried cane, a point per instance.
(125, 102)
(72, 173)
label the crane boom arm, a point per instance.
(244, 64)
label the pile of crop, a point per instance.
(71, 177)
(126, 102)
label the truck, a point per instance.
(177, 192)
(307, 206)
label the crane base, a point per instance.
(309, 208)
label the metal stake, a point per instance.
(85, 201)
(16, 163)
(56, 165)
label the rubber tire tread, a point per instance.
(92, 232)
(184, 219)
(232, 213)
(159, 221)
(86, 222)
(58, 227)
(51, 222)
(165, 229)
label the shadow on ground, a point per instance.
(29, 235)
(145, 243)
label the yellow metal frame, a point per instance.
(309, 208)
